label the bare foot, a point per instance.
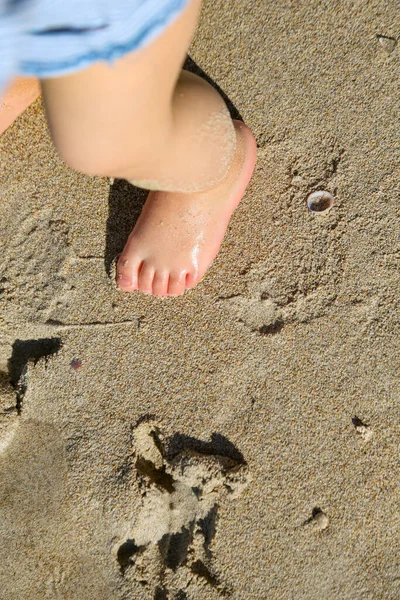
(177, 236)
(17, 97)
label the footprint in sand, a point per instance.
(300, 277)
(286, 295)
(38, 245)
(265, 311)
(14, 382)
(168, 548)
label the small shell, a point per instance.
(320, 201)
(362, 429)
(321, 520)
(365, 433)
(388, 44)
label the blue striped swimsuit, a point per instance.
(50, 38)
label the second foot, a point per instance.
(19, 95)
(177, 236)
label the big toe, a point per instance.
(128, 273)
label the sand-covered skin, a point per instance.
(284, 361)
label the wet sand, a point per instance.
(240, 441)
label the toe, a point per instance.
(127, 273)
(191, 280)
(160, 283)
(176, 285)
(146, 277)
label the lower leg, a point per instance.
(142, 118)
(145, 120)
(199, 146)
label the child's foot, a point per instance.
(16, 98)
(177, 236)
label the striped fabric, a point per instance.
(49, 38)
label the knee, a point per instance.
(86, 155)
(106, 155)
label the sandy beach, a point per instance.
(240, 441)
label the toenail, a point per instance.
(123, 279)
(125, 263)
